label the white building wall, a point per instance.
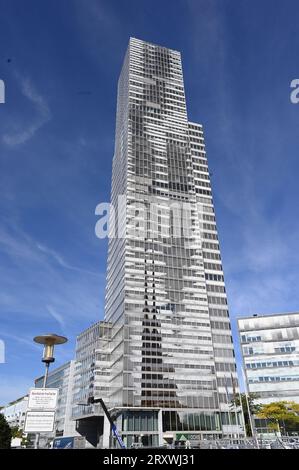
(15, 412)
(270, 348)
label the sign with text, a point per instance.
(43, 399)
(39, 421)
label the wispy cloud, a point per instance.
(57, 316)
(19, 244)
(61, 261)
(20, 339)
(43, 287)
(42, 110)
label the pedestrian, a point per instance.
(187, 444)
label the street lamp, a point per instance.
(49, 342)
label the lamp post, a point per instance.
(49, 341)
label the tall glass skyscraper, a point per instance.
(171, 353)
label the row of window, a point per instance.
(203, 168)
(249, 339)
(217, 312)
(285, 349)
(221, 352)
(219, 325)
(225, 367)
(214, 288)
(209, 236)
(261, 365)
(222, 339)
(213, 266)
(285, 378)
(210, 218)
(203, 191)
(210, 246)
(209, 255)
(217, 300)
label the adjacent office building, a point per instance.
(92, 379)
(270, 348)
(168, 342)
(15, 412)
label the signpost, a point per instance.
(43, 399)
(40, 415)
(39, 421)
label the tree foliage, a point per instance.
(252, 401)
(5, 433)
(253, 407)
(280, 412)
(16, 432)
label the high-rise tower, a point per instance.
(172, 360)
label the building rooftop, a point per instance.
(263, 315)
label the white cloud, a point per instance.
(43, 115)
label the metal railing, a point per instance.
(275, 443)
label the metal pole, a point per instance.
(36, 441)
(48, 341)
(46, 374)
(235, 407)
(250, 417)
(243, 415)
(237, 423)
(229, 413)
(249, 412)
(37, 436)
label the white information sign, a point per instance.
(39, 421)
(43, 399)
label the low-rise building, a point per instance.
(270, 349)
(15, 412)
(91, 379)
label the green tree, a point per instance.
(280, 414)
(254, 407)
(18, 432)
(5, 433)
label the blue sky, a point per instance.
(60, 61)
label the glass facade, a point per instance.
(172, 345)
(167, 360)
(92, 369)
(270, 347)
